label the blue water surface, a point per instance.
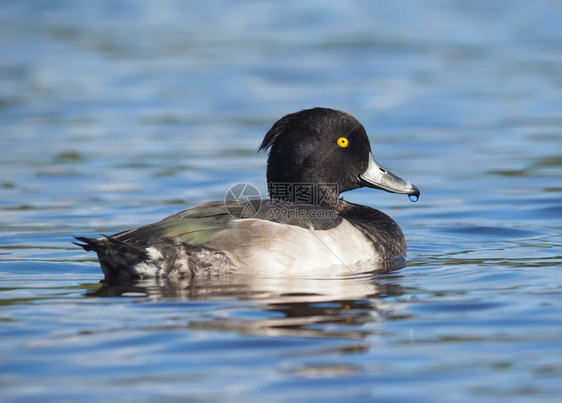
(115, 114)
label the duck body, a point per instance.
(322, 150)
(212, 239)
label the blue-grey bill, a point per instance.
(380, 178)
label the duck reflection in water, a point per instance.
(278, 306)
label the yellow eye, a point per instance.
(343, 142)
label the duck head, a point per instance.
(326, 148)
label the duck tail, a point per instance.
(117, 258)
(122, 261)
(88, 244)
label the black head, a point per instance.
(322, 147)
(317, 146)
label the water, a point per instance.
(116, 114)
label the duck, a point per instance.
(304, 227)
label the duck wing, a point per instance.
(194, 226)
(197, 225)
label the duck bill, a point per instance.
(380, 178)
